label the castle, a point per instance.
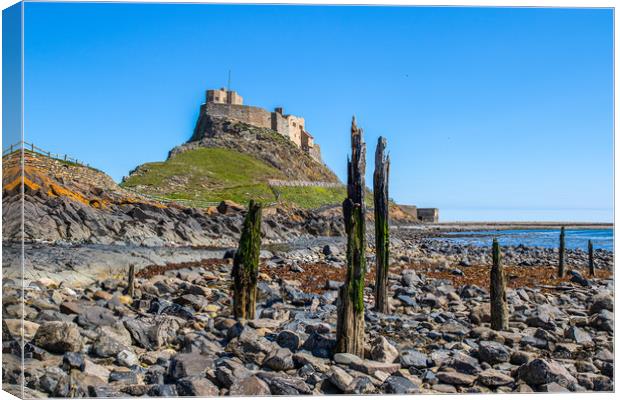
(229, 104)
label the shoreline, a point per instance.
(503, 226)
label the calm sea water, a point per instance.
(575, 238)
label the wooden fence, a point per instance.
(35, 149)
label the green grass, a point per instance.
(216, 174)
(311, 197)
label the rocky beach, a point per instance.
(175, 336)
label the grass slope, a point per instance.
(215, 174)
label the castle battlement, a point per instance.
(228, 104)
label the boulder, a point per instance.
(600, 302)
(196, 386)
(14, 328)
(340, 378)
(414, 358)
(249, 386)
(493, 352)
(58, 337)
(289, 340)
(580, 336)
(455, 378)
(106, 346)
(370, 367)
(189, 364)
(280, 359)
(492, 378)
(400, 385)
(539, 372)
(383, 351)
(283, 384)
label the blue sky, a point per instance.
(490, 113)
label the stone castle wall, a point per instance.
(247, 114)
(289, 126)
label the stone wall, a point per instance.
(290, 126)
(247, 114)
(280, 124)
(428, 215)
(315, 152)
(298, 183)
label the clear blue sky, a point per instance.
(490, 114)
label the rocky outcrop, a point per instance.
(261, 143)
(68, 203)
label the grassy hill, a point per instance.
(207, 174)
(234, 161)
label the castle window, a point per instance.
(294, 124)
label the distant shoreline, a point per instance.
(480, 226)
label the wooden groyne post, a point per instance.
(131, 276)
(499, 305)
(382, 239)
(562, 253)
(245, 265)
(350, 323)
(591, 259)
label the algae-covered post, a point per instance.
(382, 239)
(591, 258)
(245, 265)
(562, 254)
(499, 305)
(131, 275)
(350, 324)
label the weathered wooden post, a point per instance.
(245, 265)
(131, 275)
(382, 239)
(591, 258)
(499, 305)
(350, 324)
(562, 252)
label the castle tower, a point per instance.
(223, 96)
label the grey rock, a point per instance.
(189, 364)
(289, 340)
(346, 358)
(105, 346)
(281, 359)
(491, 377)
(600, 302)
(414, 358)
(455, 378)
(539, 371)
(400, 385)
(283, 384)
(58, 337)
(383, 351)
(196, 386)
(493, 352)
(580, 336)
(250, 386)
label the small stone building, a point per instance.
(430, 215)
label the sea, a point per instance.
(549, 238)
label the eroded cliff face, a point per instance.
(264, 144)
(65, 202)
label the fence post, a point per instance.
(32, 147)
